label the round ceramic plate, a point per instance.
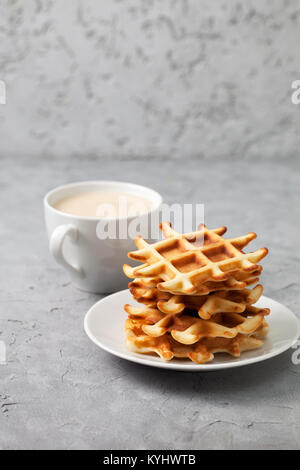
(104, 325)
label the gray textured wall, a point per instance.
(149, 78)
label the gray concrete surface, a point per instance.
(59, 391)
(146, 77)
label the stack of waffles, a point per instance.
(195, 296)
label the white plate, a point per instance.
(104, 325)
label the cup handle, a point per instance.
(56, 247)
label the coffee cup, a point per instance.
(92, 255)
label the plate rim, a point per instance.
(210, 366)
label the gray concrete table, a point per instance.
(59, 391)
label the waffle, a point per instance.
(201, 352)
(189, 329)
(195, 296)
(183, 264)
(237, 281)
(206, 305)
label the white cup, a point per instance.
(95, 265)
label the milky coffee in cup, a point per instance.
(113, 204)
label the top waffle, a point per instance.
(184, 263)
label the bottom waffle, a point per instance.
(201, 352)
(189, 329)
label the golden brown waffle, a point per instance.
(237, 281)
(193, 287)
(206, 305)
(184, 263)
(188, 329)
(201, 352)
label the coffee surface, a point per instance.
(104, 204)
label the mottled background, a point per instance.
(169, 94)
(149, 79)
